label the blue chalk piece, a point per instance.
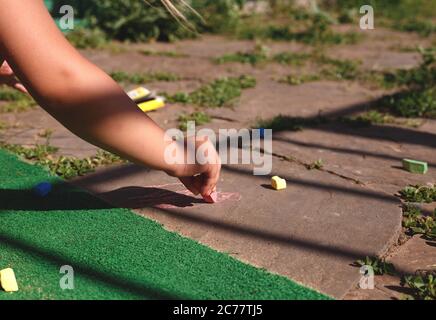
(262, 133)
(42, 189)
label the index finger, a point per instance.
(210, 179)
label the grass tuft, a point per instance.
(198, 117)
(64, 167)
(16, 101)
(220, 93)
(141, 78)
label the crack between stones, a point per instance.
(305, 164)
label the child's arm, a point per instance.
(84, 98)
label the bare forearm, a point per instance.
(96, 109)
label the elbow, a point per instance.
(65, 88)
(56, 89)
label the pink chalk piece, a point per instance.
(212, 198)
(163, 199)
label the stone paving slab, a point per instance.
(370, 155)
(312, 232)
(322, 98)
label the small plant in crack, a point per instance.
(418, 193)
(423, 285)
(198, 117)
(416, 222)
(168, 54)
(64, 167)
(316, 165)
(296, 80)
(419, 98)
(259, 55)
(379, 266)
(36, 154)
(374, 117)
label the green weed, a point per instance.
(296, 80)
(84, 38)
(375, 117)
(422, 77)
(9, 94)
(36, 154)
(3, 125)
(423, 284)
(336, 69)
(64, 167)
(259, 55)
(417, 223)
(419, 98)
(318, 32)
(141, 78)
(316, 165)
(199, 118)
(16, 101)
(291, 58)
(70, 167)
(168, 54)
(331, 69)
(379, 266)
(46, 133)
(418, 193)
(412, 103)
(222, 92)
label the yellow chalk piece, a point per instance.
(138, 93)
(278, 183)
(8, 281)
(152, 104)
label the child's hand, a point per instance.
(201, 178)
(8, 78)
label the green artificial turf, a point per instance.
(115, 253)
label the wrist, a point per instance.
(174, 159)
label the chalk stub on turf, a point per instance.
(415, 166)
(278, 183)
(42, 189)
(8, 280)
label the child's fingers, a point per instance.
(210, 180)
(5, 69)
(9, 79)
(20, 87)
(190, 184)
(12, 82)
